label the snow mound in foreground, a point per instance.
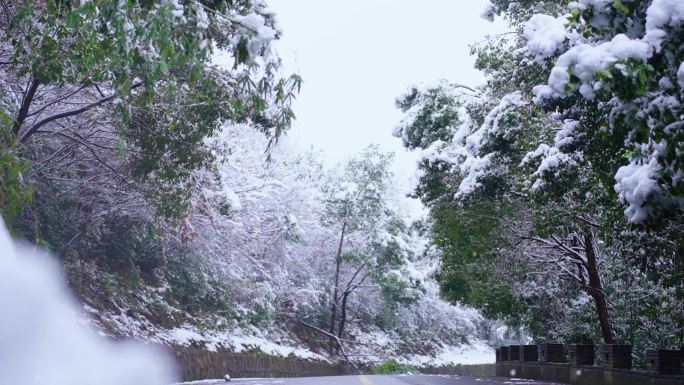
(41, 340)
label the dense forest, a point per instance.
(139, 144)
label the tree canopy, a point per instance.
(134, 87)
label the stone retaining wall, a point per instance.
(200, 364)
(484, 370)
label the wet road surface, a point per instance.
(377, 380)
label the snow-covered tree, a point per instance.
(117, 99)
(370, 246)
(527, 182)
(616, 78)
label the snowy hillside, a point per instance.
(261, 252)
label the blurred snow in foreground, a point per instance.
(41, 341)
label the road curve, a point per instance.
(376, 380)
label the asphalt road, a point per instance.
(376, 380)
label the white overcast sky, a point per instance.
(357, 56)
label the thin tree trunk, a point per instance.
(333, 305)
(595, 289)
(345, 296)
(25, 106)
(343, 314)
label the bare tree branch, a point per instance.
(65, 114)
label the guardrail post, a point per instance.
(514, 353)
(581, 354)
(504, 353)
(551, 353)
(617, 356)
(664, 361)
(529, 353)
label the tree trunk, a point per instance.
(333, 305)
(343, 316)
(25, 106)
(595, 289)
(345, 297)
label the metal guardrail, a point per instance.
(666, 362)
(576, 364)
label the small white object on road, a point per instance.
(226, 377)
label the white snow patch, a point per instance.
(202, 17)
(475, 353)
(680, 75)
(551, 159)
(177, 9)
(261, 34)
(566, 135)
(545, 34)
(635, 184)
(585, 60)
(238, 339)
(659, 15)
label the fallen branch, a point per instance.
(337, 340)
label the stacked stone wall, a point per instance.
(200, 364)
